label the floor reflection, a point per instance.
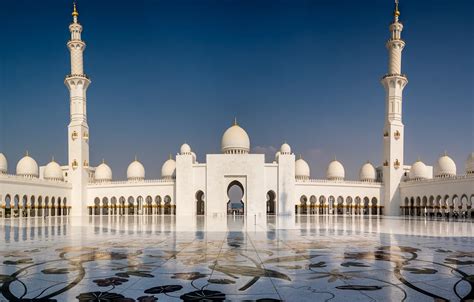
(145, 258)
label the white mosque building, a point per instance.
(275, 186)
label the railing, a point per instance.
(354, 182)
(133, 182)
(31, 179)
(77, 75)
(394, 75)
(440, 179)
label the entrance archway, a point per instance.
(235, 205)
(271, 203)
(200, 205)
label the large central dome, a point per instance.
(235, 140)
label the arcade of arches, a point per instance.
(449, 206)
(14, 205)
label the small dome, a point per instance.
(53, 171)
(445, 167)
(185, 149)
(469, 164)
(135, 171)
(302, 170)
(285, 149)
(103, 173)
(335, 171)
(3, 164)
(235, 141)
(168, 170)
(277, 155)
(418, 171)
(367, 172)
(27, 167)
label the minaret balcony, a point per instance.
(388, 75)
(82, 76)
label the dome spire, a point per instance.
(396, 12)
(235, 121)
(74, 14)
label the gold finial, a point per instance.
(74, 12)
(396, 12)
(445, 153)
(136, 158)
(103, 160)
(52, 158)
(171, 156)
(235, 121)
(27, 153)
(301, 156)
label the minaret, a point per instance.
(394, 82)
(78, 130)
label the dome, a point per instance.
(335, 171)
(445, 167)
(285, 149)
(53, 171)
(302, 169)
(3, 164)
(185, 149)
(135, 171)
(27, 167)
(418, 171)
(367, 172)
(168, 170)
(103, 173)
(235, 141)
(469, 164)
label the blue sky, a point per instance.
(306, 72)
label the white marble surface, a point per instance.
(313, 258)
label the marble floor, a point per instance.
(303, 258)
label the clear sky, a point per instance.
(306, 72)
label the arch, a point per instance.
(8, 206)
(271, 202)
(97, 206)
(235, 193)
(322, 204)
(24, 206)
(358, 206)
(59, 206)
(46, 206)
(340, 205)
(39, 212)
(200, 204)
(65, 208)
(130, 205)
(32, 206)
(53, 206)
(149, 205)
(167, 205)
(122, 205)
(375, 206)
(455, 205)
(303, 206)
(349, 205)
(412, 206)
(158, 205)
(406, 205)
(424, 206)
(313, 205)
(139, 205)
(331, 203)
(418, 206)
(105, 206)
(366, 205)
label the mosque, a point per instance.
(277, 186)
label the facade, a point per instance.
(279, 186)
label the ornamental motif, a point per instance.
(74, 135)
(396, 164)
(74, 164)
(397, 135)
